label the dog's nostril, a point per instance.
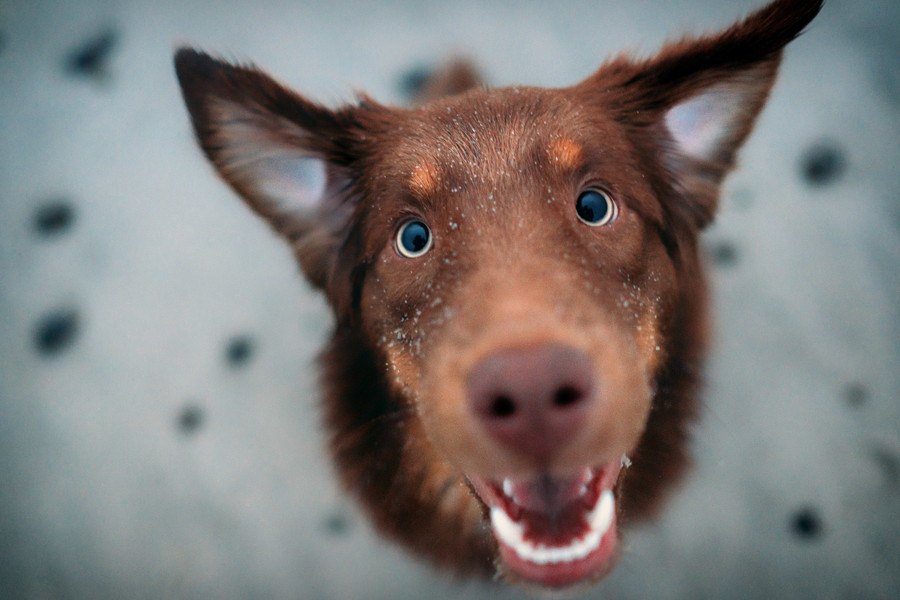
(566, 396)
(502, 406)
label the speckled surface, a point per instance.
(158, 412)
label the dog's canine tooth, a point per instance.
(601, 516)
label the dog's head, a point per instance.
(518, 269)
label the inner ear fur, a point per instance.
(693, 104)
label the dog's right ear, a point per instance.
(693, 105)
(291, 159)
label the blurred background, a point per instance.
(159, 431)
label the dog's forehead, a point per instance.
(487, 137)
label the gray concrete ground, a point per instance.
(158, 427)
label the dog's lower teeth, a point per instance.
(512, 535)
(508, 488)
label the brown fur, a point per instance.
(496, 174)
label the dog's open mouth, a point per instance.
(554, 531)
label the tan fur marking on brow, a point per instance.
(565, 152)
(424, 179)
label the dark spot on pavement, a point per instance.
(91, 57)
(239, 350)
(56, 331)
(190, 419)
(888, 463)
(53, 218)
(724, 253)
(413, 80)
(823, 163)
(856, 394)
(337, 524)
(806, 524)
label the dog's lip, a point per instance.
(554, 530)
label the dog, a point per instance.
(519, 301)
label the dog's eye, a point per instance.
(413, 239)
(595, 207)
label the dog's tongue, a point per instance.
(552, 507)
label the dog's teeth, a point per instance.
(508, 487)
(582, 490)
(601, 517)
(512, 534)
(626, 462)
(509, 532)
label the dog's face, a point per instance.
(517, 286)
(518, 269)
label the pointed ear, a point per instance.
(696, 101)
(292, 160)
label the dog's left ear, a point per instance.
(693, 104)
(294, 162)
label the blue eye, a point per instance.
(595, 207)
(413, 239)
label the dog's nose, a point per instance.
(532, 400)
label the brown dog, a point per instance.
(515, 280)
